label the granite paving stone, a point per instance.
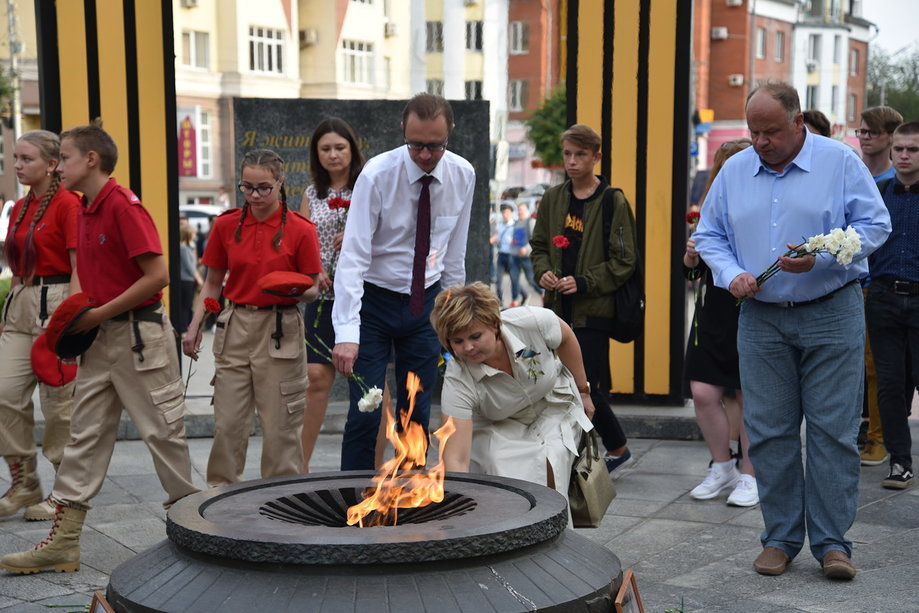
(700, 551)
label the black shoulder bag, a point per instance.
(629, 317)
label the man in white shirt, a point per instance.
(373, 313)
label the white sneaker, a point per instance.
(745, 494)
(715, 483)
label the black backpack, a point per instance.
(628, 322)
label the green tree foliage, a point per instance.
(894, 80)
(545, 126)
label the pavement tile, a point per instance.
(700, 551)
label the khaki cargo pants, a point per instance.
(256, 371)
(23, 324)
(147, 384)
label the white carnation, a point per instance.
(371, 400)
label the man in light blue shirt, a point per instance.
(801, 335)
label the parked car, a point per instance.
(199, 215)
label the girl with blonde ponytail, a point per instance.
(259, 354)
(40, 249)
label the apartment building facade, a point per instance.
(819, 46)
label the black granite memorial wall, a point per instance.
(285, 125)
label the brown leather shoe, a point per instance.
(771, 561)
(837, 565)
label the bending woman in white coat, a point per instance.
(515, 388)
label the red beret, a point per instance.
(49, 368)
(63, 343)
(285, 283)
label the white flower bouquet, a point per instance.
(842, 245)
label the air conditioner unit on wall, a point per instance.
(734, 2)
(719, 33)
(189, 4)
(389, 29)
(308, 37)
(735, 80)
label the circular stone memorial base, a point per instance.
(281, 544)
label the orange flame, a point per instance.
(402, 482)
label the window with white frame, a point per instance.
(473, 90)
(195, 50)
(780, 46)
(205, 145)
(852, 108)
(387, 72)
(434, 36)
(760, 43)
(434, 86)
(266, 50)
(854, 58)
(813, 47)
(837, 48)
(517, 95)
(473, 36)
(834, 99)
(357, 62)
(810, 98)
(520, 37)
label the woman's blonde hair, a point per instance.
(458, 307)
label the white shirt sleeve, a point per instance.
(354, 259)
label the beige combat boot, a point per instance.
(60, 550)
(44, 510)
(25, 488)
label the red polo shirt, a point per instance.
(254, 256)
(54, 235)
(113, 230)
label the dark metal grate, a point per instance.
(330, 508)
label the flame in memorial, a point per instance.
(403, 482)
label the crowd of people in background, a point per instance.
(370, 280)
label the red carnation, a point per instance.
(560, 241)
(692, 217)
(339, 203)
(211, 305)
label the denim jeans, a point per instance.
(387, 326)
(805, 362)
(523, 263)
(504, 266)
(893, 327)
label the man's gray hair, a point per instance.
(783, 92)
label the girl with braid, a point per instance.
(259, 354)
(41, 251)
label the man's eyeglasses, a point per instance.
(866, 133)
(432, 147)
(263, 190)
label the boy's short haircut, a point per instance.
(94, 138)
(882, 119)
(910, 128)
(582, 136)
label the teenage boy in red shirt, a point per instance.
(133, 362)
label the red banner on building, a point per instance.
(188, 151)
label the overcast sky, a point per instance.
(896, 20)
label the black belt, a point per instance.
(47, 280)
(794, 305)
(267, 307)
(434, 287)
(144, 313)
(897, 286)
